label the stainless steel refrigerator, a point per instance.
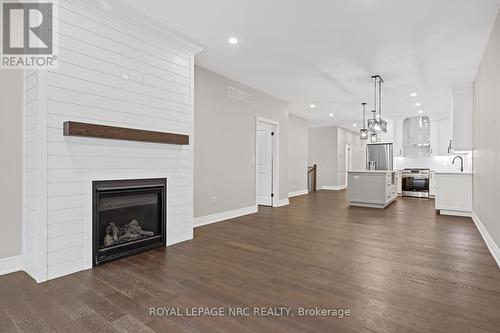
(379, 156)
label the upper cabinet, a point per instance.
(463, 104)
(440, 136)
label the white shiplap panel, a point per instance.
(106, 163)
(65, 255)
(65, 189)
(72, 95)
(84, 47)
(63, 229)
(108, 70)
(57, 270)
(126, 80)
(69, 175)
(89, 148)
(64, 215)
(123, 52)
(131, 94)
(129, 37)
(89, 86)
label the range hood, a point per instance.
(417, 136)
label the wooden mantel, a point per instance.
(73, 128)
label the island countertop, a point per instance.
(371, 171)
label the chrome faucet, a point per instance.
(461, 162)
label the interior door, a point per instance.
(265, 167)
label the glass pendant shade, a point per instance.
(363, 134)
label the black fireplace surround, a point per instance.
(129, 216)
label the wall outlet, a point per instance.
(214, 200)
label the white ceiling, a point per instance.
(325, 51)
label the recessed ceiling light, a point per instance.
(233, 40)
(420, 111)
(354, 125)
(331, 115)
(418, 104)
(413, 94)
(312, 106)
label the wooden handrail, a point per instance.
(314, 169)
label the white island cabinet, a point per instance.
(375, 189)
(453, 193)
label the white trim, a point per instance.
(297, 193)
(282, 202)
(11, 264)
(490, 243)
(229, 214)
(276, 153)
(455, 213)
(333, 188)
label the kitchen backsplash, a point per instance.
(439, 163)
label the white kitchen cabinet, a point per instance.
(440, 136)
(375, 189)
(399, 182)
(453, 193)
(463, 105)
(398, 137)
(444, 136)
(432, 184)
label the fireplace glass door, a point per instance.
(129, 217)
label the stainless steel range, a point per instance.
(415, 183)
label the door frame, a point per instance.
(276, 176)
(347, 162)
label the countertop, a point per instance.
(444, 172)
(371, 171)
(452, 173)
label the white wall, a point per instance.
(11, 111)
(297, 154)
(95, 51)
(327, 150)
(323, 152)
(224, 151)
(358, 153)
(486, 154)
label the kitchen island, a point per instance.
(373, 188)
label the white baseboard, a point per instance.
(333, 188)
(217, 217)
(11, 264)
(492, 246)
(296, 193)
(455, 213)
(282, 202)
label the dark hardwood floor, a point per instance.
(401, 269)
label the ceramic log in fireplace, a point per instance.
(128, 217)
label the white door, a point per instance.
(265, 166)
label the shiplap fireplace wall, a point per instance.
(115, 68)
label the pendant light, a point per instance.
(380, 125)
(363, 132)
(373, 123)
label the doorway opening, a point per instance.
(267, 162)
